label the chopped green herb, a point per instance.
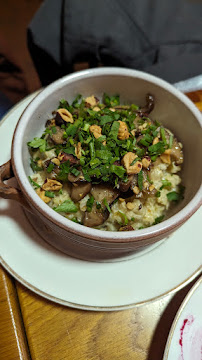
(50, 194)
(118, 170)
(158, 194)
(165, 183)
(75, 102)
(149, 180)
(163, 135)
(106, 119)
(140, 180)
(111, 100)
(134, 161)
(34, 165)
(123, 217)
(114, 130)
(38, 143)
(68, 206)
(50, 167)
(174, 196)
(98, 205)
(92, 149)
(54, 130)
(171, 141)
(75, 172)
(106, 204)
(157, 149)
(90, 203)
(158, 220)
(33, 182)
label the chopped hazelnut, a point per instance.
(130, 206)
(136, 190)
(41, 194)
(127, 161)
(51, 185)
(96, 108)
(55, 161)
(152, 187)
(165, 158)
(65, 115)
(96, 130)
(78, 150)
(91, 101)
(146, 161)
(123, 132)
(155, 141)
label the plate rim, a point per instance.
(72, 304)
(178, 314)
(96, 308)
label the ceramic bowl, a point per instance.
(172, 109)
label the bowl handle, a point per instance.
(9, 192)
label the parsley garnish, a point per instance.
(67, 206)
(90, 203)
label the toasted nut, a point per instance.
(78, 150)
(126, 228)
(55, 161)
(41, 194)
(60, 156)
(96, 108)
(145, 185)
(127, 161)
(121, 199)
(91, 101)
(123, 132)
(152, 187)
(52, 122)
(112, 109)
(51, 185)
(143, 126)
(133, 132)
(146, 161)
(96, 131)
(136, 190)
(168, 151)
(65, 115)
(40, 163)
(155, 141)
(165, 158)
(130, 206)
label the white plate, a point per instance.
(185, 338)
(91, 285)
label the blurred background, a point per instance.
(18, 76)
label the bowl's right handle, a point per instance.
(9, 192)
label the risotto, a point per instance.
(106, 165)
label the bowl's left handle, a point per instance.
(9, 192)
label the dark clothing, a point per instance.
(161, 37)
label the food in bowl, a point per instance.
(106, 165)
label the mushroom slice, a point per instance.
(126, 228)
(124, 186)
(80, 190)
(95, 217)
(57, 138)
(148, 107)
(175, 152)
(102, 191)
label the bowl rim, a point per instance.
(90, 233)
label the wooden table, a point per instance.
(34, 328)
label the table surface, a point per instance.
(32, 327)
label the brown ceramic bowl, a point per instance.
(172, 109)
